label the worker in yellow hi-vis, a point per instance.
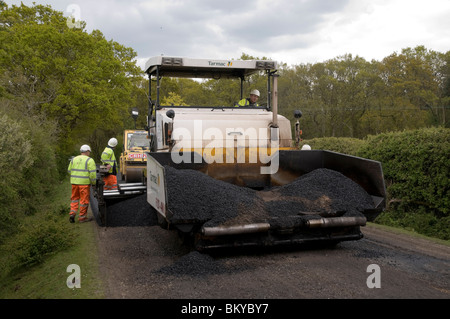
(250, 101)
(109, 159)
(83, 174)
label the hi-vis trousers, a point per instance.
(80, 199)
(110, 182)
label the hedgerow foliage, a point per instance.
(416, 171)
(15, 157)
(28, 166)
(415, 166)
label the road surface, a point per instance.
(140, 260)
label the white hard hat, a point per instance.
(112, 142)
(255, 92)
(306, 147)
(85, 148)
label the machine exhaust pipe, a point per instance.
(131, 184)
(235, 230)
(132, 188)
(336, 222)
(120, 194)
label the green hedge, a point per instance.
(415, 166)
(15, 157)
(41, 239)
(416, 171)
(27, 154)
(37, 237)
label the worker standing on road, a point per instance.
(109, 159)
(250, 101)
(83, 174)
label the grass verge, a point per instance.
(46, 278)
(398, 230)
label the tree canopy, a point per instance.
(349, 96)
(79, 80)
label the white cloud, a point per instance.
(375, 29)
(294, 32)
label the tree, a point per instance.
(348, 96)
(412, 87)
(173, 99)
(79, 80)
(335, 95)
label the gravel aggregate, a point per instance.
(133, 211)
(194, 196)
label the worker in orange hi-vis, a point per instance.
(83, 174)
(109, 159)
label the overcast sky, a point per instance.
(289, 31)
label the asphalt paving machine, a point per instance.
(248, 147)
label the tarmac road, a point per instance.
(140, 260)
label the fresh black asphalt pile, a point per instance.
(324, 188)
(131, 212)
(195, 197)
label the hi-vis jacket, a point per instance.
(246, 102)
(82, 170)
(108, 157)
